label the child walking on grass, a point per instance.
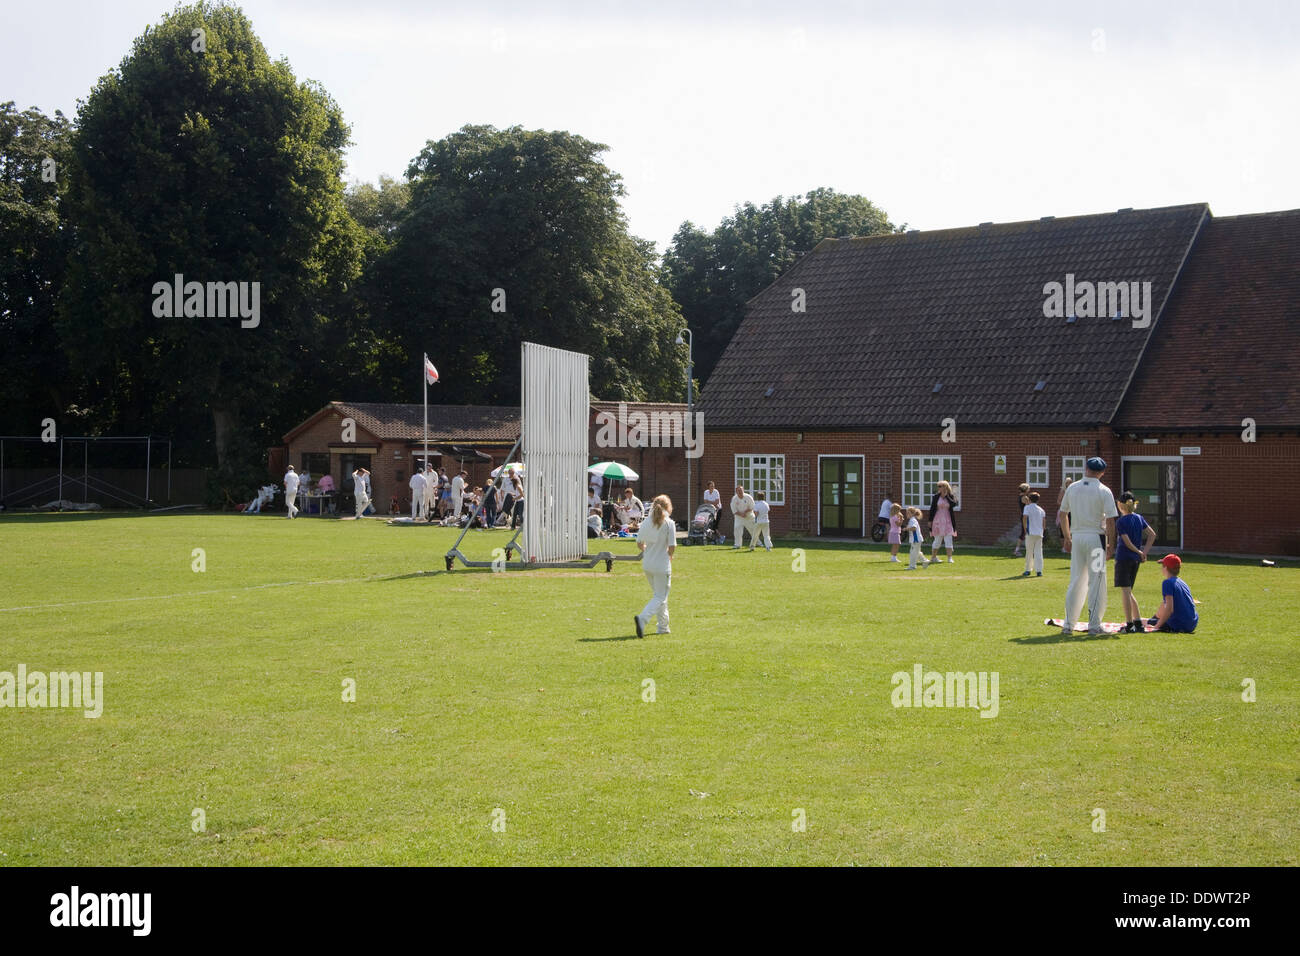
(914, 538)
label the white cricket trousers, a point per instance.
(914, 552)
(1034, 552)
(363, 502)
(1085, 583)
(763, 534)
(292, 502)
(457, 502)
(430, 502)
(417, 505)
(743, 525)
(660, 582)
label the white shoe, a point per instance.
(950, 561)
(1067, 632)
(894, 559)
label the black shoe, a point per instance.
(640, 631)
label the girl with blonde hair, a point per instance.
(657, 541)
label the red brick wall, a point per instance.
(1235, 499)
(988, 500)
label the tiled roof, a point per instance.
(447, 423)
(1228, 346)
(889, 318)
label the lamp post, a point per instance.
(684, 337)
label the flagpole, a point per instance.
(424, 375)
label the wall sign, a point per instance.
(1190, 450)
(999, 464)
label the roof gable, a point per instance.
(905, 330)
(1228, 346)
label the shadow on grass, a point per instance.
(1059, 638)
(602, 640)
(405, 577)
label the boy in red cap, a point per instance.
(1178, 611)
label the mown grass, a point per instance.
(521, 691)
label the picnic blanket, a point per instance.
(1110, 627)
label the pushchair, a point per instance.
(704, 526)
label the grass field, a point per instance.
(522, 692)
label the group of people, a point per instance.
(622, 515)
(296, 488)
(1087, 513)
(454, 502)
(906, 522)
(752, 514)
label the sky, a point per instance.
(943, 114)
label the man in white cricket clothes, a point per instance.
(361, 490)
(417, 495)
(742, 508)
(291, 492)
(430, 492)
(457, 495)
(657, 541)
(1087, 505)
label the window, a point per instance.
(765, 473)
(317, 463)
(922, 472)
(1036, 471)
(1072, 467)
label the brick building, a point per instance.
(883, 364)
(388, 439)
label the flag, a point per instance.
(430, 373)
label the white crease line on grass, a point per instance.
(167, 597)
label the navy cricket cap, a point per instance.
(1096, 464)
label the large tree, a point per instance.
(34, 381)
(712, 275)
(201, 156)
(513, 235)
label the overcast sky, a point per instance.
(942, 113)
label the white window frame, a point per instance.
(1044, 465)
(930, 469)
(1073, 472)
(769, 479)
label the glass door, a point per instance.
(841, 497)
(1158, 488)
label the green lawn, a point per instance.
(520, 691)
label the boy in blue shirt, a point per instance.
(1178, 612)
(1133, 540)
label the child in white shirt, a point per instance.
(1031, 522)
(914, 538)
(762, 522)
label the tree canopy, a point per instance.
(713, 274)
(200, 156)
(518, 234)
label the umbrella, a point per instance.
(613, 471)
(518, 466)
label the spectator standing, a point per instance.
(1134, 538)
(417, 495)
(1032, 520)
(943, 507)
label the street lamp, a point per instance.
(684, 337)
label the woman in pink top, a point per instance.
(941, 520)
